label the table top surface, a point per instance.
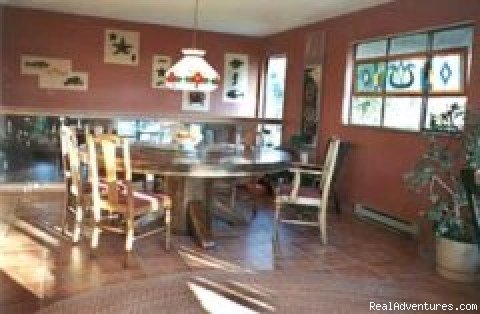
(205, 162)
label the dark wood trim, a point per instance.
(24, 111)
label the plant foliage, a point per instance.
(437, 175)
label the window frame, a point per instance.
(464, 52)
(262, 112)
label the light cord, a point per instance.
(195, 24)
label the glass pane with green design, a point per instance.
(366, 111)
(445, 113)
(370, 77)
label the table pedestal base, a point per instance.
(192, 208)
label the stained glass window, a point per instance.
(407, 81)
(370, 77)
(366, 110)
(438, 112)
(447, 73)
(406, 75)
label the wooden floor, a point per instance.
(38, 266)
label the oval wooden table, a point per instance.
(189, 176)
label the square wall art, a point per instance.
(122, 47)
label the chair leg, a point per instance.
(129, 242)
(78, 224)
(65, 212)
(167, 228)
(233, 195)
(278, 206)
(130, 236)
(95, 232)
(323, 225)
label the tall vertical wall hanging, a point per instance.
(312, 84)
(235, 79)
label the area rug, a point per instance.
(261, 292)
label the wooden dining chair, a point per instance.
(132, 209)
(75, 189)
(316, 197)
(342, 153)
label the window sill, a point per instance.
(404, 131)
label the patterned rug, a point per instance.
(221, 292)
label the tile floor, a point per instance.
(39, 266)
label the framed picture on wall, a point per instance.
(35, 65)
(122, 47)
(159, 68)
(235, 80)
(195, 101)
(75, 81)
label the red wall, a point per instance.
(1, 54)
(112, 88)
(372, 174)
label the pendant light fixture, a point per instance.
(192, 72)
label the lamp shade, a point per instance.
(192, 73)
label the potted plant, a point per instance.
(438, 174)
(300, 143)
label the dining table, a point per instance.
(189, 173)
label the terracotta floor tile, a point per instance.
(35, 273)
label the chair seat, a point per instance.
(303, 191)
(87, 187)
(142, 203)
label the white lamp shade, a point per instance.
(192, 73)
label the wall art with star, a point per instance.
(122, 47)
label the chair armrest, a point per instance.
(297, 164)
(305, 171)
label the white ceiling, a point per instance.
(246, 17)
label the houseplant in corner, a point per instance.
(438, 175)
(300, 144)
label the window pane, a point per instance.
(453, 38)
(403, 112)
(366, 110)
(408, 44)
(127, 128)
(370, 77)
(275, 87)
(406, 76)
(371, 49)
(447, 73)
(271, 135)
(438, 109)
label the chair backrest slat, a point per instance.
(328, 170)
(109, 146)
(93, 172)
(71, 159)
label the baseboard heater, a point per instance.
(394, 223)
